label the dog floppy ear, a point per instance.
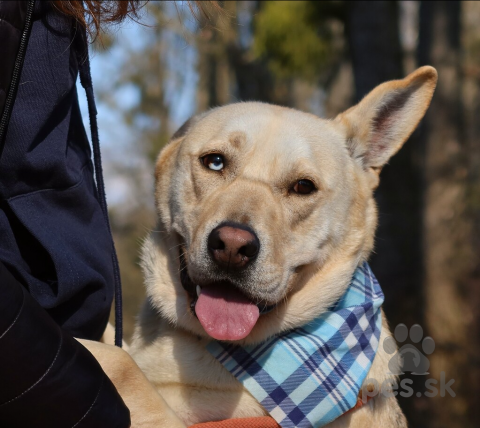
(379, 125)
(180, 132)
(167, 154)
(166, 162)
(187, 126)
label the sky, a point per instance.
(117, 139)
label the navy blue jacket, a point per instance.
(53, 232)
(57, 262)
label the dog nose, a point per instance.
(233, 245)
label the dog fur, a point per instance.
(310, 244)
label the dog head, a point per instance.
(265, 212)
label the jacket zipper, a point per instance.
(16, 73)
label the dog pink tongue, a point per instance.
(225, 313)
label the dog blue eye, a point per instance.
(214, 162)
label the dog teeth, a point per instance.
(199, 290)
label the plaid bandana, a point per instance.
(309, 376)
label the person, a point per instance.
(58, 268)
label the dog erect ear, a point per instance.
(379, 125)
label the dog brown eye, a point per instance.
(303, 187)
(213, 161)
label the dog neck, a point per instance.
(311, 375)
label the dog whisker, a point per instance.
(182, 269)
(285, 300)
(156, 231)
(175, 246)
(229, 259)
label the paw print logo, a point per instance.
(408, 358)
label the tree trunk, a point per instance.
(216, 83)
(373, 34)
(449, 234)
(255, 82)
(372, 31)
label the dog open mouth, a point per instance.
(224, 312)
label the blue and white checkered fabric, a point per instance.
(310, 376)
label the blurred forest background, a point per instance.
(322, 57)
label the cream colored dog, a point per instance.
(272, 210)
